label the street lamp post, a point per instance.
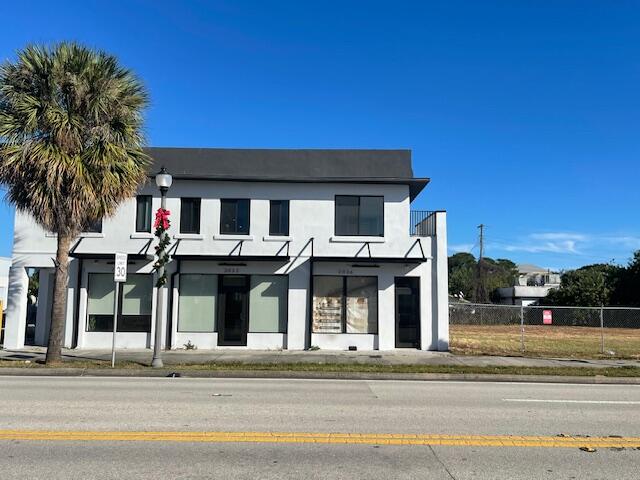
(163, 181)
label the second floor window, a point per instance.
(359, 215)
(189, 215)
(279, 218)
(143, 213)
(234, 216)
(94, 227)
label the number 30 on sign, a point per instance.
(120, 269)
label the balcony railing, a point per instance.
(422, 223)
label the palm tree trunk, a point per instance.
(59, 308)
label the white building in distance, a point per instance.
(532, 285)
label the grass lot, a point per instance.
(544, 341)
(345, 368)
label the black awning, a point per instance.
(234, 258)
(369, 260)
(109, 256)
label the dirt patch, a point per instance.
(545, 340)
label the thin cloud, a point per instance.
(565, 246)
(625, 241)
(593, 246)
(461, 247)
(564, 249)
(560, 236)
(546, 242)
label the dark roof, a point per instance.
(286, 165)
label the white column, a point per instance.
(82, 309)
(154, 305)
(16, 316)
(386, 310)
(174, 311)
(298, 321)
(442, 283)
(428, 319)
(72, 289)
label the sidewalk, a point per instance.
(397, 357)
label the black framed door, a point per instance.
(407, 312)
(233, 310)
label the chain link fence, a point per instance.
(545, 331)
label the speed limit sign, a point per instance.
(120, 270)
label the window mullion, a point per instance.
(344, 304)
(358, 215)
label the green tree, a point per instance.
(588, 286)
(72, 146)
(34, 283)
(499, 273)
(462, 268)
(463, 275)
(627, 289)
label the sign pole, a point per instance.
(602, 329)
(115, 325)
(119, 276)
(522, 328)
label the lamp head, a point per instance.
(163, 180)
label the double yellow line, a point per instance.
(327, 438)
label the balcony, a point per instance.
(422, 223)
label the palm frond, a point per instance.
(71, 131)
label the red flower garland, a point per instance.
(162, 219)
(161, 226)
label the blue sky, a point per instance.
(526, 115)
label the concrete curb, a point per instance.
(168, 372)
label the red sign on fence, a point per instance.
(547, 317)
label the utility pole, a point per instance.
(481, 294)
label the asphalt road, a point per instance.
(465, 414)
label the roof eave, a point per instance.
(416, 185)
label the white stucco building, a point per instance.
(531, 287)
(271, 249)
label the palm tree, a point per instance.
(71, 146)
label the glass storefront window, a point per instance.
(345, 304)
(197, 303)
(136, 295)
(268, 304)
(327, 304)
(362, 305)
(134, 308)
(100, 292)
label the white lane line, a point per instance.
(596, 402)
